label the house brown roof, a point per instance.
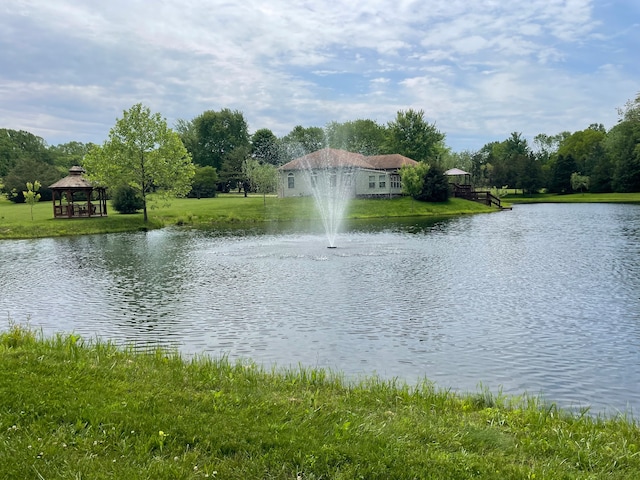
(327, 157)
(332, 157)
(388, 162)
(73, 180)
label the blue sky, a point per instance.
(478, 69)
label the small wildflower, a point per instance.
(175, 459)
(195, 468)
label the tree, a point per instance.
(412, 178)
(582, 146)
(31, 195)
(561, 175)
(579, 182)
(145, 154)
(262, 177)
(435, 186)
(361, 136)
(25, 171)
(412, 136)
(217, 135)
(509, 159)
(301, 141)
(529, 174)
(623, 146)
(19, 145)
(231, 174)
(66, 155)
(264, 146)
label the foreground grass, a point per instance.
(16, 222)
(75, 409)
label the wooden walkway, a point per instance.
(483, 196)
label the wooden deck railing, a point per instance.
(483, 196)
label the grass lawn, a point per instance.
(16, 222)
(575, 198)
(71, 409)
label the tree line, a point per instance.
(225, 156)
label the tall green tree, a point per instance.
(17, 145)
(360, 136)
(623, 147)
(66, 155)
(217, 135)
(509, 158)
(264, 146)
(145, 154)
(25, 171)
(529, 176)
(563, 168)
(583, 147)
(412, 136)
(300, 141)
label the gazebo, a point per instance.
(458, 176)
(75, 197)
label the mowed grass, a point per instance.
(71, 409)
(225, 210)
(575, 198)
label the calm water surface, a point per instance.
(543, 299)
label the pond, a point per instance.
(544, 299)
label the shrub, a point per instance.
(126, 199)
(435, 187)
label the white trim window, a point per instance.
(291, 180)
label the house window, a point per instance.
(291, 182)
(314, 180)
(395, 181)
(333, 180)
(372, 181)
(382, 181)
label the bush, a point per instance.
(126, 199)
(435, 187)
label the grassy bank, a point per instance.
(574, 198)
(70, 409)
(16, 222)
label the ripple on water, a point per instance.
(528, 300)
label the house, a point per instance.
(354, 174)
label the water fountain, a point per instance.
(331, 176)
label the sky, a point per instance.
(479, 69)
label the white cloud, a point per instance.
(479, 69)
